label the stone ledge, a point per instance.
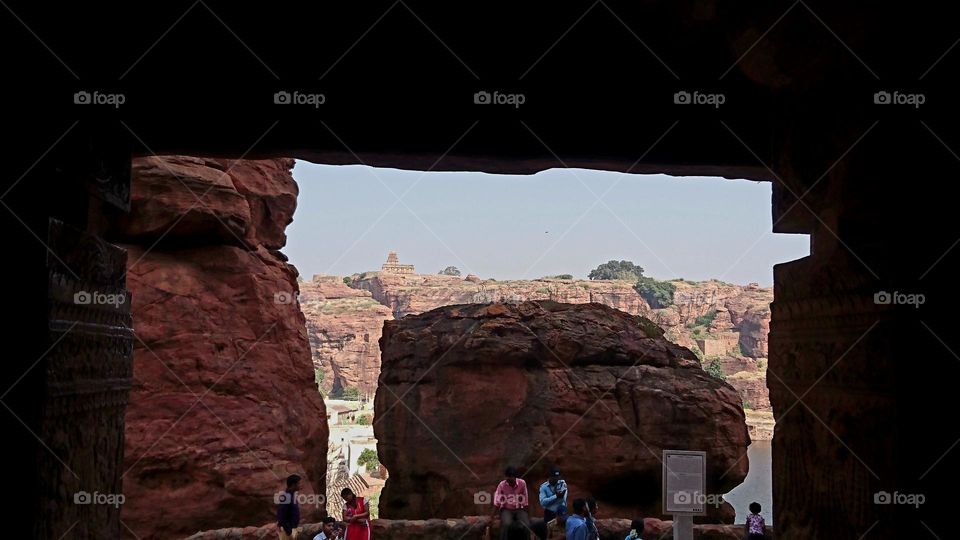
(472, 528)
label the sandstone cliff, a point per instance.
(224, 405)
(466, 390)
(344, 326)
(416, 293)
(722, 322)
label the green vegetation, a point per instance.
(349, 393)
(705, 319)
(543, 290)
(624, 270)
(761, 364)
(344, 305)
(736, 351)
(318, 378)
(450, 271)
(347, 280)
(374, 500)
(559, 276)
(659, 294)
(650, 328)
(364, 420)
(368, 458)
(747, 406)
(698, 353)
(715, 371)
(698, 328)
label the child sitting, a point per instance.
(636, 530)
(756, 526)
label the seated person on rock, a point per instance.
(636, 530)
(577, 528)
(327, 530)
(511, 502)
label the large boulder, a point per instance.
(224, 404)
(466, 390)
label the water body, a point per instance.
(758, 486)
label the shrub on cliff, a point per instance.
(624, 270)
(318, 378)
(450, 271)
(659, 294)
(349, 393)
(705, 319)
(715, 371)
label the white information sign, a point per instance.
(684, 482)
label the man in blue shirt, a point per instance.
(288, 510)
(553, 496)
(577, 522)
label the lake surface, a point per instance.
(758, 486)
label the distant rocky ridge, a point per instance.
(724, 323)
(344, 327)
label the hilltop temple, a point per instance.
(393, 266)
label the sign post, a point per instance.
(684, 489)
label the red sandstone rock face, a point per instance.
(416, 293)
(742, 313)
(344, 326)
(589, 388)
(224, 405)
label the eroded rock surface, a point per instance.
(224, 405)
(589, 388)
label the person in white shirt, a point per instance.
(326, 530)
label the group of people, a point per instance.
(355, 514)
(511, 506)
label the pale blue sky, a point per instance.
(525, 227)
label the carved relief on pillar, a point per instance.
(88, 378)
(832, 389)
